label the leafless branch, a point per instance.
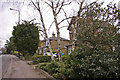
(50, 26)
(43, 36)
(65, 15)
(57, 4)
(67, 3)
(64, 26)
(47, 4)
(34, 5)
(80, 8)
(60, 7)
(64, 20)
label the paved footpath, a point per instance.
(20, 69)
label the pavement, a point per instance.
(13, 67)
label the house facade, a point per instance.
(72, 31)
(43, 48)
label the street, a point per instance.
(5, 63)
(13, 67)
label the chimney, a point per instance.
(53, 35)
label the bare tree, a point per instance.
(57, 7)
(37, 6)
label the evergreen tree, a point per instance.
(26, 37)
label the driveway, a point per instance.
(13, 67)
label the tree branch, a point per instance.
(60, 7)
(67, 3)
(65, 15)
(43, 36)
(63, 26)
(48, 4)
(64, 20)
(50, 26)
(34, 5)
(80, 8)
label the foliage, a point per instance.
(96, 28)
(65, 57)
(27, 56)
(55, 51)
(40, 58)
(80, 65)
(96, 37)
(26, 37)
(10, 46)
(59, 70)
(96, 65)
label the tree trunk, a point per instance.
(48, 42)
(58, 33)
(75, 26)
(58, 40)
(37, 6)
(50, 49)
(74, 35)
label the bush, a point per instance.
(41, 58)
(84, 65)
(43, 66)
(64, 58)
(96, 65)
(59, 70)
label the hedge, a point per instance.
(40, 58)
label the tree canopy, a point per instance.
(26, 37)
(97, 39)
(10, 46)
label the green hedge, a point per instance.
(40, 58)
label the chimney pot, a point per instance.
(53, 35)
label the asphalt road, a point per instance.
(13, 67)
(6, 59)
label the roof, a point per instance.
(74, 19)
(51, 38)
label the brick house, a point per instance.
(72, 33)
(54, 44)
(72, 26)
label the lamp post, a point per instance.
(18, 14)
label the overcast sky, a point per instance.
(9, 18)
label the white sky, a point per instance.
(9, 18)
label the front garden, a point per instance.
(80, 65)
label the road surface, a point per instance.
(13, 67)
(5, 63)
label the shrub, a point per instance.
(43, 66)
(59, 70)
(96, 65)
(40, 58)
(64, 58)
